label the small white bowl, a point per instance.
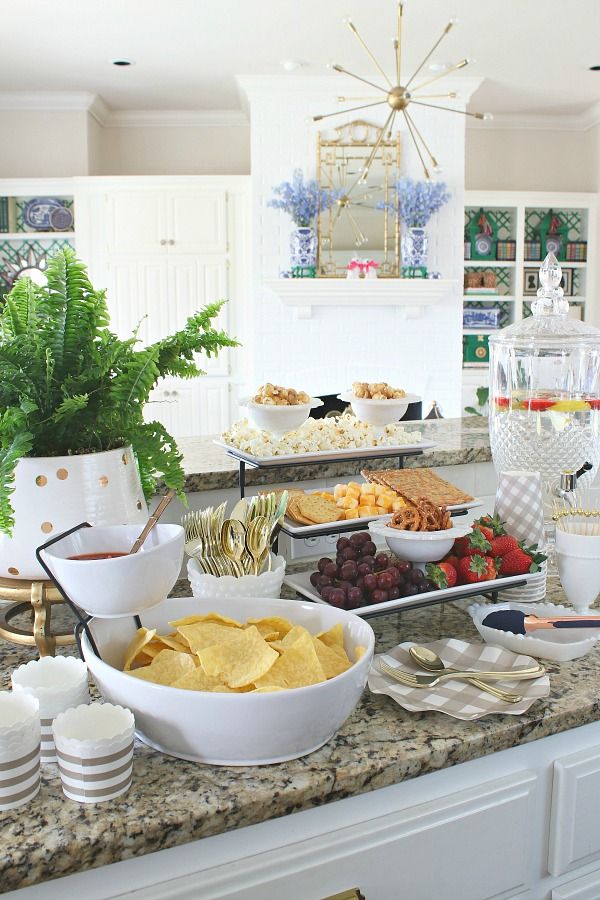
(122, 586)
(378, 412)
(206, 587)
(279, 419)
(418, 546)
(245, 729)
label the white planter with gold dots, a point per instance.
(55, 493)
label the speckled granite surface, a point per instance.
(458, 441)
(173, 802)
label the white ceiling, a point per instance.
(533, 54)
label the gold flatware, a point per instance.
(428, 681)
(152, 521)
(257, 538)
(233, 544)
(429, 660)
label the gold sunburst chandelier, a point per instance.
(398, 97)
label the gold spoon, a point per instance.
(233, 544)
(256, 540)
(430, 661)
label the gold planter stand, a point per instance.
(38, 597)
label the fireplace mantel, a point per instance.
(412, 295)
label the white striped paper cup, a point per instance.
(94, 751)
(19, 749)
(58, 682)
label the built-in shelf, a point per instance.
(490, 263)
(411, 294)
(34, 235)
(503, 298)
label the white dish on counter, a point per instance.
(279, 419)
(300, 582)
(378, 412)
(418, 546)
(297, 530)
(558, 644)
(232, 729)
(379, 452)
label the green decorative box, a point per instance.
(476, 349)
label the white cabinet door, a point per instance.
(137, 293)
(575, 818)
(137, 222)
(190, 408)
(197, 221)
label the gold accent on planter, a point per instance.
(139, 504)
(125, 460)
(62, 474)
(103, 481)
(13, 571)
(47, 527)
(41, 481)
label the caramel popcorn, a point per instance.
(378, 390)
(274, 395)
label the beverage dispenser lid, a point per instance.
(549, 321)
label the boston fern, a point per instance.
(70, 386)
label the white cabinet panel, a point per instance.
(575, 817)
(137, 222)
(185, 408)
(137, 292)
(193, 283)
(197, 221)
(585, 888)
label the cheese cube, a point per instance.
(364, 511)
(340, 490)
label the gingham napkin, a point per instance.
(519, 505)
(459, 699)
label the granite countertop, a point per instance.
(458, 441)
(172, 802)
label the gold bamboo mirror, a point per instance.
(354, 226)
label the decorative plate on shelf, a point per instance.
(41, 214)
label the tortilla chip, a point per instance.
(198, 680)
(142, 637)
(167, 670)
(359, 651)
(334, 637)
(208, 617)
(297, 666)
(267, 632)
(333, 660)
(239, 661)
(276, 623)
(175, 642)
(293, 634)
(204, 634)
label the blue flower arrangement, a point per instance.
(416, 201)
(303, 200)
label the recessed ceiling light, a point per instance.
(594, 68)
(123, 62)
(290, 65)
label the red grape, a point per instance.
(356, 539)
(368, 548)
(403, 566)
(342, 544)
(384, 581)
(379, 597)
(337, 598)
(370, 582)
(313, 578)
(349, 553)
(368, 561)
(360, 582)
(331, 570)
(322, 581)
(364, 568)
(355, 597)
(326, 592)
(348, 571)
(382, 560)
(410, 590)
(393, 593)
(339, 560)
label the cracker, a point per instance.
(318, 510)
(414, 484)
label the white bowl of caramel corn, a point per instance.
(278, 409)
(377, 403)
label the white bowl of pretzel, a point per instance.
(377, 403)
(420, 532)
(278, 409)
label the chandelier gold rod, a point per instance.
(398, 41)
(365, 172)
(337, 68)
(462, 112)
(391, 125)
(418, 149)
(451, 95)
(351, 109)
(434, 161)
(359, 234)
(459, 65)
(352, 99)
(433, 49)
(355, 32)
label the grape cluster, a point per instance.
(360, 576)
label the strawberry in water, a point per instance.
(442, 574)
(503, 544)
(473, 569)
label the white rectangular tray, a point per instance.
(299, 531)
(300, 582)
(324, 455)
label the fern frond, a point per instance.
(69, 407)
(19, 447)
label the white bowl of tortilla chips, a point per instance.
(235, 700)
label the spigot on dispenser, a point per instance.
(568, 482)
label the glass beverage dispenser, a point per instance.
(545, 389)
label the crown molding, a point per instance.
(168, 118)
(581, 121)
(51, 100)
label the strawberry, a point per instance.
(503, 544)
(452, 560)
(474, 543)
(473, 569)
(488, 533)
(492, 523)
(502, 402)
(539, 404)
(521, 561)
(442, 574)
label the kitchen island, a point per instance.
(466, 804)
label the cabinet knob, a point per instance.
(171, 242)
(163, 242)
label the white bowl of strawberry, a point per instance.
(488, 553)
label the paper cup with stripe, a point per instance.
(19, 749)
(94, 751)
(58, 682)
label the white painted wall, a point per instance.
(43, 143)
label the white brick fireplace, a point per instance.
(320, 335)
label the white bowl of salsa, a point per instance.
(94, 568)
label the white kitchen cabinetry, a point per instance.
(164, 248)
